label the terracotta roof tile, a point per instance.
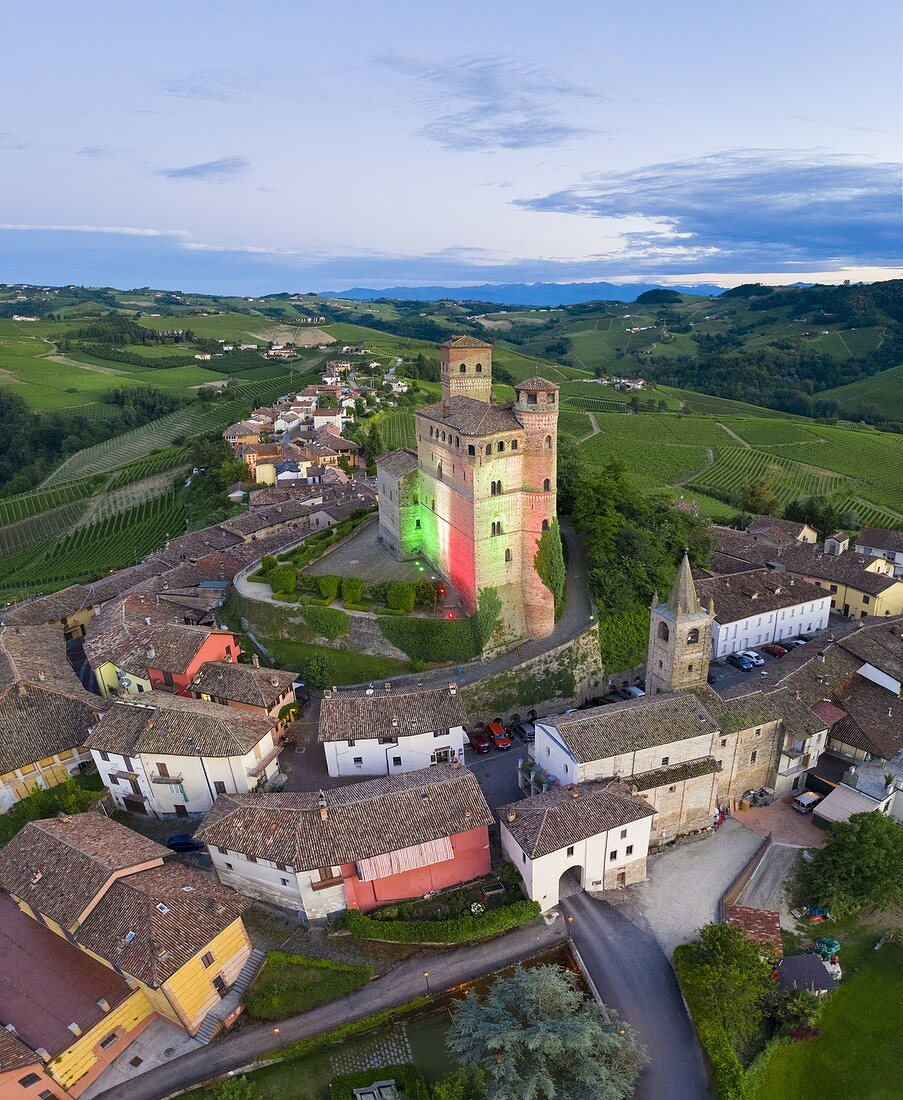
(471, 417)
(762, 926)
(879, 538)
(536, 384)
(398, 463)
(360, 715)
(258, 687)
(676, 773)
(756, 593)
(38, 721)
(464, 342)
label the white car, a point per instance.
(635, 692)
(756, 658)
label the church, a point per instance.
(479, 492)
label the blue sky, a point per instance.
(242, 148)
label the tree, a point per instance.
(373, 443)
(319, 670)
(549, 563)
(756, 497)
(861, 865)
(352, 589)
(400, 596)
(535, 1036)
(465, 1084)
(236, 1088)
(731, 978)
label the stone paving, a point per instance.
(159, 1043)
(784, 824)
(390, 1048)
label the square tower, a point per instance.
(680, 638)
(466, 368)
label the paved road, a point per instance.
(634, 977)
(405, 982)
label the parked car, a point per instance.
(806, 802)
(480, 743)
(495, 731)
(751, 655)
(524, 731)
(786, 642)
(741, 662)
(634, 692)
(773, 649)
(184, 842)
(711, 678)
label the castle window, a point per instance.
(513, 444)
(548, 443)
(489, 448)
(663, 632)
(471, 449)
(531, 398)
(443, 437)
(497, 527)
(507, 555)
(417, 524)
(462, 369)
(457, 441)
(689, 668)
(501, 445)
(550, 397)
(547, 486)
(545, 525)
(754, 756)
(439, 471)
(693, 637)
(479, 368)
(433, 504)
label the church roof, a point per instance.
(683, 598)
(536, 384)
(472, 417)
(464, 342)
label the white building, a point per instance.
(384, 731)
(168, 755)
(878, 543)
(357, 846)
(595, 834)
(762, 606)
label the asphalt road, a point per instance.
(634, 977)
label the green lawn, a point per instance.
(349, 667)
(859, 1053)
(290, 984)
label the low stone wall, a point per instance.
(563, 677)
(736, 888)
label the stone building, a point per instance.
(481, 489)
(680, 638)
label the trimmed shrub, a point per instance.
(319, 670)
(549, 564)
(358, 606)
(463, 929)
(408, 1077)
(329, 586)
(283, 579)
(352, 589)
(400, 596)
(389, 611)
(267, 562)
(326, 621)
(290, 984)
(380, 590)
(445, 640)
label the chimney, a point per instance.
(36, 875)
(61, 816)
(453, 688)
(75, 1029)
(255, 661)
(511, 815)
(103, 1004)
(324, 809)
(150, 653)
(575, 793)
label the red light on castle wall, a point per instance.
(450, 615)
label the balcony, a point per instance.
(264, 762)
(168, 780)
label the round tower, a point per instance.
(536, 407)
(465, 368)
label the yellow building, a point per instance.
(859, 585)
(175, 935)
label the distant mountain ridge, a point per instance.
(518, 294)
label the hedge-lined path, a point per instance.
(404, 983)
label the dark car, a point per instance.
(184, 842)
(495, 731)
(711, 678)
(773, 649)
(739, 661)
(480, 743)
(524, 731)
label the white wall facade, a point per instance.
(895, 557)
(192, 779)
(600, 859)
(388, 756)
(770, 626)
(280, 884)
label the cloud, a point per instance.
(8, 140)
(497, 102)
(117, 230)
(214, 85)
(747, 210)
(214, 171)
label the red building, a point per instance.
(176, 653)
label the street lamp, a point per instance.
(426, 978)
(278, 1033)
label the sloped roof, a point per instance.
(37, 655)
(175, 726)
(683, 598)
(881, 539)
(464, 342)
(536, 384)
(258, 687)
(755, 593)
(676, 773)
(359, 715)
(36, 721)
(75, 856)
(880, 645)
(762, 926)
(398, 463)
(562, 816)
(362, 820)
(601, 732)
(471, 417)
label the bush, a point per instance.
(380, 590)
(549, 564)
(400, 596)
(510, 876)
(427, 593)
(326, 621)
(73, 796)
(445, 640)
(267, 562)
(389, 611)
(463, 929)
(329, 586)
(357, 606)
(290, 984)
(319, 670)
(411, 1080)
(283, 579)
(352, 589)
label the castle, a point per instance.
(479, 492)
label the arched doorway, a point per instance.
(571, 882)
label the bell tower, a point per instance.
(680, 638)
(465, 368)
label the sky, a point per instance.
(293, 146)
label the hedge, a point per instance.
(400, 596)
(326, 621)
(463, 929)
(407, 1076)
(329, 586)
(305, 1047)
(445, 640)
(728, 1074)
(624, 638)
(290, 984)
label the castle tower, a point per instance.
(680, 638)
(466, 368)
(536, 407)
